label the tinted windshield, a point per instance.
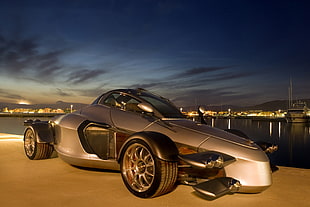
(167, 109)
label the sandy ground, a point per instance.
(54, 183)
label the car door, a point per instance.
(126, 115)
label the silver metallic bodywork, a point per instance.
(249, 164)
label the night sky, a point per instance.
(192, 52)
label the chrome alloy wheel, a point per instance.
(29, 143)
(138, 167)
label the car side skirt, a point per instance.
(92, 161)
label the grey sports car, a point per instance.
(153, 145)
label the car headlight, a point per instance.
(206, 159)
(214, 161)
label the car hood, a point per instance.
(193, 133)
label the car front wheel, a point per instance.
(144, 174)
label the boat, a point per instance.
(297, 113)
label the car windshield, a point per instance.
(167, 109)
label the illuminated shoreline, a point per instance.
(30, 114)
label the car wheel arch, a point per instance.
(43, 132)
(161, 145)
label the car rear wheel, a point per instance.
(35, 150)
(144, 174)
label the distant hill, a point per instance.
(275, 105)
(267, 106)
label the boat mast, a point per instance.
(290, 94)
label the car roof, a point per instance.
(133, 92)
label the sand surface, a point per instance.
(54, 183)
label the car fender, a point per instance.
(161, 145)
(43, 131)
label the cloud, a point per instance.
(20, 58)
(199, 86)
(230, 76)
(196, 79)
(147, 85)
(60, 92)
(218, 96)
(82, 76)
(9, 95)
(24, 58)
(48, 64)
(201, 77)
(200, 71)
(93, 92)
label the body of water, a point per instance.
(15, 125)
(293, 139)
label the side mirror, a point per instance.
(146, 107)
(201, 109)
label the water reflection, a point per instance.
(270, 128)
(293, 139)
(275, 127)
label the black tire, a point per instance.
(144, 174)
(35, 150)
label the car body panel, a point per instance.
(95, 135)
(121, 119)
